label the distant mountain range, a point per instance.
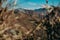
(41, 10)
(38, 11)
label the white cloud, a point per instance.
(31, 3)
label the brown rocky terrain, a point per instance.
(23, 26)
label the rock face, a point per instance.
(24, 26)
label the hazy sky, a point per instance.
(34, 4)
